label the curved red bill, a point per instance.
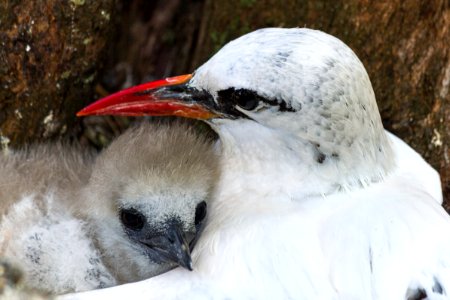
(142, 100)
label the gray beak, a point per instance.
(170, 247)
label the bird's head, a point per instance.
(303, 86)
(148, 198)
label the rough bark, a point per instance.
(156, 39)
(403, 44)
(50, 54)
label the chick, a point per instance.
(147, 199)
(11, 285)
(74, 221)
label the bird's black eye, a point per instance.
(132, 219)
(246, 99)
(200, 212)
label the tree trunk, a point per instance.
(50, 54)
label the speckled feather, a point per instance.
(38, 230)
(329, 90)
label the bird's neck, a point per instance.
(269, 161)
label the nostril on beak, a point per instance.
(172, 237)
(175, 236)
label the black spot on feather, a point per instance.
(419, 294)
(437, 287)
(321, 158)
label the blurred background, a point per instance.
(56, 56)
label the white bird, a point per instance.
(72, 224)
(315, 200)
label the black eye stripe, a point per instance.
(282, 106)
(248, 100)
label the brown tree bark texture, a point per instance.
(50, 53)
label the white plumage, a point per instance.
(75, 222)
(316, 200)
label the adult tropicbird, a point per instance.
(75, 224)
(316, 200)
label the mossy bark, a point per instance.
(50, 53)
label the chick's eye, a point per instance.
(132, 219)
(200, 212)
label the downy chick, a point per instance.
(75, 222)
(147, 199)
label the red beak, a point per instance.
(166, 97)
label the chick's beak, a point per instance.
(170, 247)
(167, 97)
